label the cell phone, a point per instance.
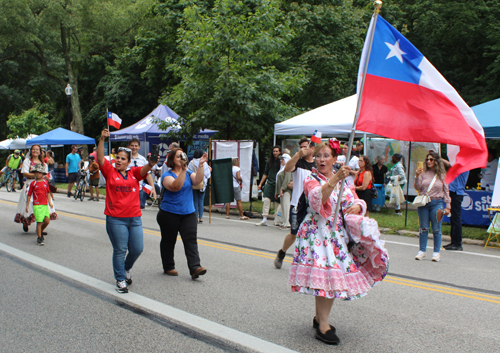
(154, 153)
(420, 165)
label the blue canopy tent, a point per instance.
(488, 115)
(147, 130)
(61, 136)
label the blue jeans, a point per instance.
(426, 214)
(124, 234)
(198, 199)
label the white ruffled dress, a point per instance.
(21, 215)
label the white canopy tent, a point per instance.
(15, 144)
(333, 119)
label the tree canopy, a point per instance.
(237, 66)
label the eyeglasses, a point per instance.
(135, 163)
(430, 159)
(124, 149)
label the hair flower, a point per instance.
(335, 145)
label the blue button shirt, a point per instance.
(458, 185)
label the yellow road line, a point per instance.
(443, 291)
(262, 254)
(441, 287)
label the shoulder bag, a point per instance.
(422, 200)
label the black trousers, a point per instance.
(456, 218)
(186, 225)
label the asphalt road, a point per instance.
(61, 298)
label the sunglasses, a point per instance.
(430, 159)
(125, 149)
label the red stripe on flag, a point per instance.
(113, 123)
(409, 112)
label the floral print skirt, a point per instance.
(324, 266)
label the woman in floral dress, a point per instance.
(26, 218)
(324, 265)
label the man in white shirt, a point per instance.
(300, 165)
(139, 161)
(164, 167)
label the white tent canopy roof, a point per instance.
(333, 119)
(15, 144)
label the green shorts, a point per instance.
(40, 212)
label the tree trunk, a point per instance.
(77, 121)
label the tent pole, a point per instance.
(407, 183)
(210, 183)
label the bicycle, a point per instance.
(8, 180)
(81, 187)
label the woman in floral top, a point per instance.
(323, 265)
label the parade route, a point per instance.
(61, 297)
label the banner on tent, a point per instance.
(388, 147)
(197, 145)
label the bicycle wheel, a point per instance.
(10, 183)
(77, 191)
(82, 192)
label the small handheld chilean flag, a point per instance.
(316, 137)
(147, 188)
(114, 120)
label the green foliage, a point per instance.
(234, 66)
(328, 44)
(31, 121)
(229, 81)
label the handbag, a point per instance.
(192, 168)
(200, 186)
(422, 200)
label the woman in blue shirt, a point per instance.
(177, 213)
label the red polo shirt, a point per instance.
(122, 193)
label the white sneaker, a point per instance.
(128, 277)
(436, 256)
(121, 287)
(261, 224)
(420, 255)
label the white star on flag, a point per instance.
(395, 51)
(133, 189)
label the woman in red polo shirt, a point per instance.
(123, 212)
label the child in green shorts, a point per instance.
(39, 189)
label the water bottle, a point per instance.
(293, 218)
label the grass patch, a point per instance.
(64, 187)
(387, 219)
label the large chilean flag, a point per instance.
(405, 98)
